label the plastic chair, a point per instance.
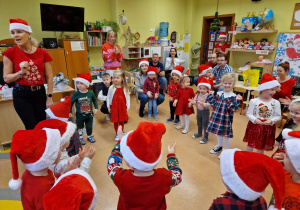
(240, 90)
(254, 93)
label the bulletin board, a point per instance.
(288, 50)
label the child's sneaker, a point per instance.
(170, 120)
(215, 150)
(117, 137)
(82, 141)
(91, 139)
(124, 133)
(108, 117)
(197, 135)
(185, 131)
(176, 122)
(149, 116)
(179, 127)
(155, 117)
(203, 141)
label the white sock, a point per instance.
(220, 141)
(227, 142)
(249, 149)
(260, 151)
(187, 122)
(182, 120)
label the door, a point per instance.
(208, 41)
(76, 58)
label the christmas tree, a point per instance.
(215, 25)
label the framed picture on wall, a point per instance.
(211, 45)
(218, 37)
(209, 53)
(296, 17)
(223, 29)
(212, 37)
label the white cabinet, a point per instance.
(156, 50)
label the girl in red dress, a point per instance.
(118, 100)
(181, 102)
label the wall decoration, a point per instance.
(211, 46)
(218, 37)
(212, 37)
(223, 29)
(288, 50)
(296, 17)
(209, 53)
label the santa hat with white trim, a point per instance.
(267, 82)
(73, 190)
(247, 174)
(37, 149)
(66, 129)
(178, 70)
(202, 69)
(19, 24)
(60, 110)
(84, 78)
(143, 61)
(222, 35)
(292, 146)
(187, 73)
(152, 70)
(203, 81)
(141, 148)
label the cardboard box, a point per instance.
(248, 23)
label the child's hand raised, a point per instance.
(75, 163)
(239, 97)
(120, 132)
(95, 111)
(172, 149)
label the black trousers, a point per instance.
(30, 105)
(104, 108)
(172, 111)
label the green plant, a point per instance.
(113, 24)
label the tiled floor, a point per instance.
(201, 181)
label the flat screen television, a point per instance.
(62, 18)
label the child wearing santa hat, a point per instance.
(172, 89)
(142, 186)
(151, 88)
(37, 149)
(246, 176)
(291, 162)
(84, 100)
(202, 108)
(205, 71)
(73, 190)
(263, 113)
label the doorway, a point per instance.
(207, 40)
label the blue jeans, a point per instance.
(152, 105)
(144, 99)
(162, 81)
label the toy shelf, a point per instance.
(243, 50)
(254, 32)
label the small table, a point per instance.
(249, 88)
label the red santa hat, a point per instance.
(66, 129)
(84, 78)
(202, 69)
(60, 110)
(222, 35)
(297, 37)
(203, 81)
(247, 174)
(19, 24)
(267, 82)
(73, 190)
(178, 70)
(141, 148)
(187, 73)
(292, 145)
(37, 149)
(143, 61)
(152, 70)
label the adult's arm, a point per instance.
(138, 83)
(286, 90)
(8, 74)
(119, 55)
(168, 63)
(49, 79)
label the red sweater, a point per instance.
(292, 193)
(33, 188)
(112, 61)
(285, 89)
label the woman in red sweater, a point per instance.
(286, 83)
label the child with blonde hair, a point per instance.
(118, 100)
(224, 104)
(182, 104)
(263, 113)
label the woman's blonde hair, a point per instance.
(110, 32)
(122, 74)
(229, 76)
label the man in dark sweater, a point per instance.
(160, 72)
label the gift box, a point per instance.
(248, 23)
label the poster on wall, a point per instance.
(296, 17)
(212, 37)
(218, 38)
(288, 50)
(211, 46)
(223, 29)
(209, 54)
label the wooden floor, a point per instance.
(201, 179)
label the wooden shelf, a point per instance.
(254, 32)
(242, 50)
(95, 46)
(134, 52)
